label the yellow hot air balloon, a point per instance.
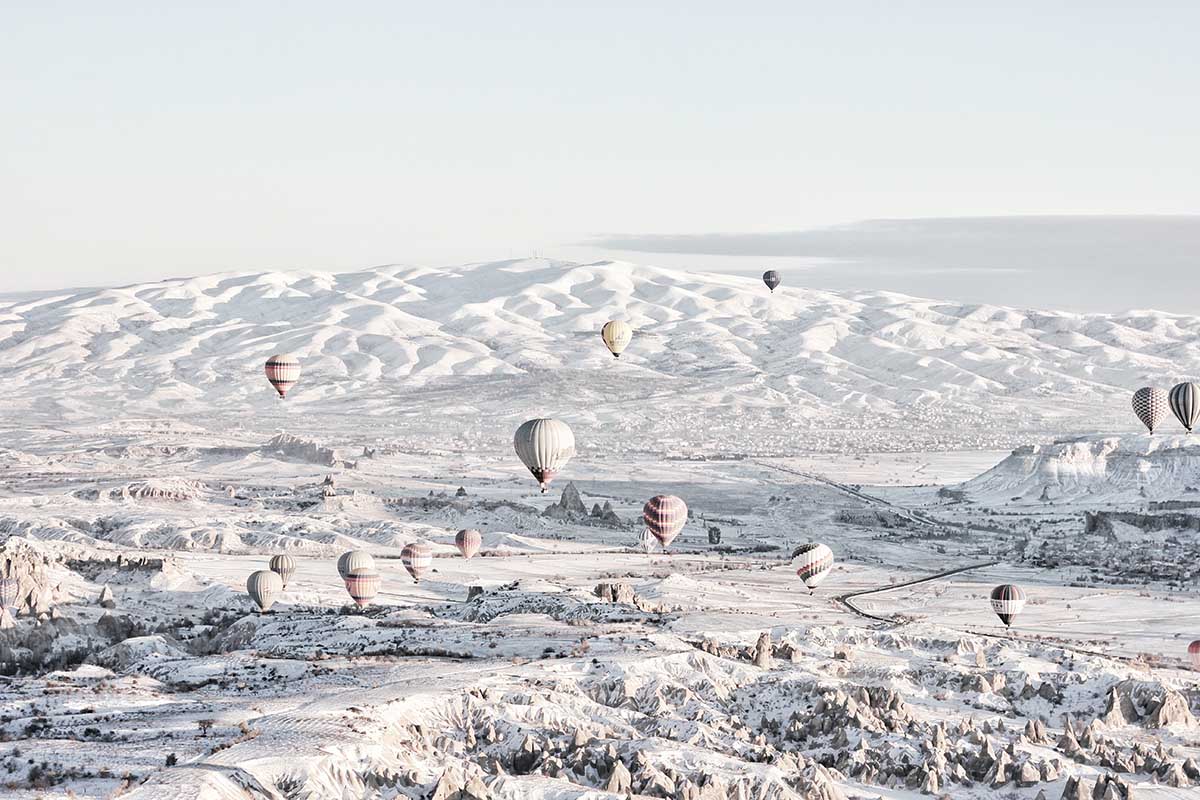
(616, 335)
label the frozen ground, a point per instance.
(140, 452)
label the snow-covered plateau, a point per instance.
(147, 469)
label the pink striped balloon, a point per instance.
(418, 559)
(283, 370)
(665, 516)
(468, 541)
(363, 585)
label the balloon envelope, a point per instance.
(616, 335)
(1194, 653)
(665, 515)
(1185, 404)
(418, 559)
(771, 279)
(812, 562)
(363, 584)
(468, 541)
(1007, 601)
(283, 370)
(1150, 405)
(544, 447)
(354, 559)
(8, 592)
(284, 567)
(264, 586)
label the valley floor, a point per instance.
(708, 671)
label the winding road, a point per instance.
(847, 599)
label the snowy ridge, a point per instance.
(498, 340)
(1095, 469)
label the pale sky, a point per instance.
(145, 140)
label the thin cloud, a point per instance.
(1081, 262)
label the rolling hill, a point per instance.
(455, 357)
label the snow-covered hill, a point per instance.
(461, 354)
(1096, 470)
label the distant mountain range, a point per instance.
(457, 357)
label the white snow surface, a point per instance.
(475, 347)
(142, 450)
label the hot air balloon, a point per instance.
(1194, 654)
(467, 541)
(284, 567)
(665, 515)
(417, 558)
(355, 559)
(812, 562)
(616, 335)
(362, 584)
(283, 370)
(771, 279)
(1185, 402)
(1150, 405)
(544, 446)
(1007, 601)
(264, 586)
(8, 592)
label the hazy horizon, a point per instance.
(147, 141)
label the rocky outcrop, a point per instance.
(605, 514)
(570, 505)
(29, 565)
(285, 445)
(1147, 703)
(174, 490)
(762, 651)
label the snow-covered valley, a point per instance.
(147, 468)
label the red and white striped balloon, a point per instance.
(283, 370)
(665, 515)
(812, 562)
(418, 559)
(468, 541)
(363, 585)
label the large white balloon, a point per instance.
(544, 446)
(355, 559)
